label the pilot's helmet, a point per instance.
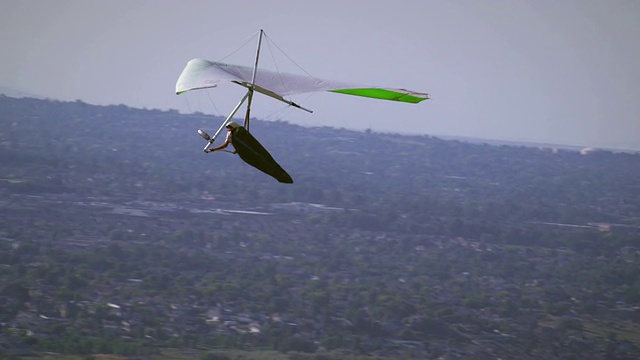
(232, 125)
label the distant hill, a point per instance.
(533, 144)
(149, 151)
(16, 93)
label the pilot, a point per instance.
(231, 128)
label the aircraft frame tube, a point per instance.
(227, 120)
(253, 81)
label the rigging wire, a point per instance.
(241, 46)
(218, 113)
(288, 57)
(186, 99)
(246, 41)
(287, 108)
(275, 64)
(191, 109)
(282, 110)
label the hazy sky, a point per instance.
(556, 71)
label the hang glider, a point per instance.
(203, 74)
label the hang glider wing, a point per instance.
(202, 74)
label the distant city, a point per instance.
(117, 243)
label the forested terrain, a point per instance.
(118, 235)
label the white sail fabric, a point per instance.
(202, 74)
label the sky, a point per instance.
(547, 71)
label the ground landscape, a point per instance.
(120, 238)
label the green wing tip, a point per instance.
(386, 94)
